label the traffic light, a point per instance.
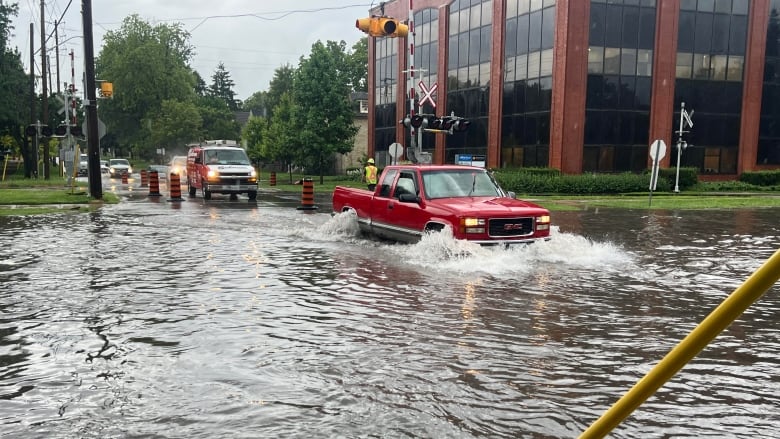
(106, 89)
(441, 123)
(382, 27)
(61, 130)
(31, 130)
(46, 131)
(76, 131)
(415, 121)
(460, 125)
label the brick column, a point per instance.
(496, 97)
(753, 85)
(441, 78)
(570, 74)
(662, 105)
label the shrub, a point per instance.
(689, 177)
(529, 183)
(761, 178)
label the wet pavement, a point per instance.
(220, 318)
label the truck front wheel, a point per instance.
(205, 189)
(191, 188)
(252, 196)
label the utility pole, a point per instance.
(90, 105)
(57, 52)
(29, 158)
(45, 94)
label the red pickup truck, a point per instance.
(411, 200)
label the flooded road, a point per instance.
(224, 319)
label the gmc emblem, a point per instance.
(513, 227)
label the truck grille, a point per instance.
(504, 227)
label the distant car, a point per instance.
(178, 165)
(117, 167)
(104, 167)
(83, 165)
(162, 171)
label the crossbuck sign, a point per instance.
(427, 95)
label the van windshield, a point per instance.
(227, 157)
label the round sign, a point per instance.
(396, 150)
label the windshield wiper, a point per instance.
(473, 183)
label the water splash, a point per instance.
(440, 251)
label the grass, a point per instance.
(699, 201)
(35, 196)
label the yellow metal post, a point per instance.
(728, 311)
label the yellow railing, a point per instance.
(728, 311)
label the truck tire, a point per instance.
(192, 189)
(205, 189)
(252, 195)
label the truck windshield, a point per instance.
(459, 183)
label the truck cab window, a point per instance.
(387, 182)
(405, 185)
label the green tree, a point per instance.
(222, 87)
(252, 135)
(357, 65)
(14, 87)
(257, 104)
(323, 112)
(280, 140)
(148, 65)
(200, 85)
(281, 83)
(172, 125)
(218, 121)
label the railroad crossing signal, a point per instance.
(427, 95)
(382, 27)
(446, 124)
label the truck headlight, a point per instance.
(543, 222)
(212, 174)
(472, 225)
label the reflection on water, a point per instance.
(236, 320)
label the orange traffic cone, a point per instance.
(124, 177)
(307, 195)
(272, 180)
(175, 182)
(144, 178)
(154, 184)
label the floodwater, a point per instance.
(230, 319)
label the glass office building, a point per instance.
(585, 85)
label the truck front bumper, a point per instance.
(232, 188)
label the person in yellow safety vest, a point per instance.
(370, 175)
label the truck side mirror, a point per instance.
(408, 198)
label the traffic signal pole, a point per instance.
(90, 105)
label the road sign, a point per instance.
(658, 150)
(427, 95)
(396, 150)
(101, 128)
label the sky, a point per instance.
(251, 37)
